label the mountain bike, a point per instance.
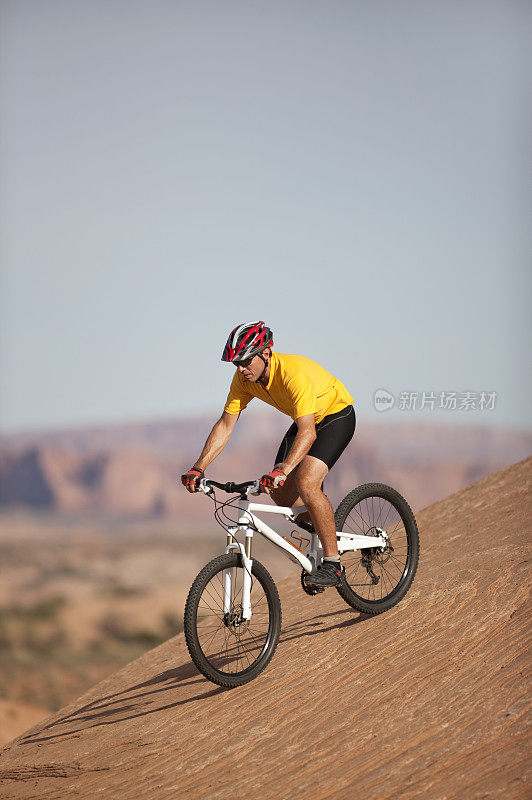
(233, 611)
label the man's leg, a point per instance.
(309, 477)
(304, 484)
(310, 473)
(333, 435)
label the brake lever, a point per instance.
(255, 488)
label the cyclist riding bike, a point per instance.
(324, 424)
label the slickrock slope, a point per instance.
(426, 701)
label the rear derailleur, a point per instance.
(368, 554)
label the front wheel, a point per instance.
(226, 648)
(376, 578)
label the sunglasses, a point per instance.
(244, 363)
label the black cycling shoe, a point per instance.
(327, 574)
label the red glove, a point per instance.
(272, 480)
(192, 478)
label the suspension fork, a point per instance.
(246, 581)
(247, 563)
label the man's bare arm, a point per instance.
(305, 436)
(217, 439)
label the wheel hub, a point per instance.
(234, 618)
(379, 554)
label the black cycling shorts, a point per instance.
(333, 434)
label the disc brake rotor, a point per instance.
(234, 620)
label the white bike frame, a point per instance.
(308, 557)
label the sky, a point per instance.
(355, 174)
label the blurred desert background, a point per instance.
(100, 543)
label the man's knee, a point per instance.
(308, 485)
(310, 477)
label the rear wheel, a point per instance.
(227, 649)
(377, 578)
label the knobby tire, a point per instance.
(228, 654)
(362, 511)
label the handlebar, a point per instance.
(230, 487)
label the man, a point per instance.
(324, 424)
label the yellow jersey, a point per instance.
(297, 386)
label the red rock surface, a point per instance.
(429, 700)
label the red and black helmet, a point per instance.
(246, 341)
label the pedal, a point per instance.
(310, 590)
(313, 590)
